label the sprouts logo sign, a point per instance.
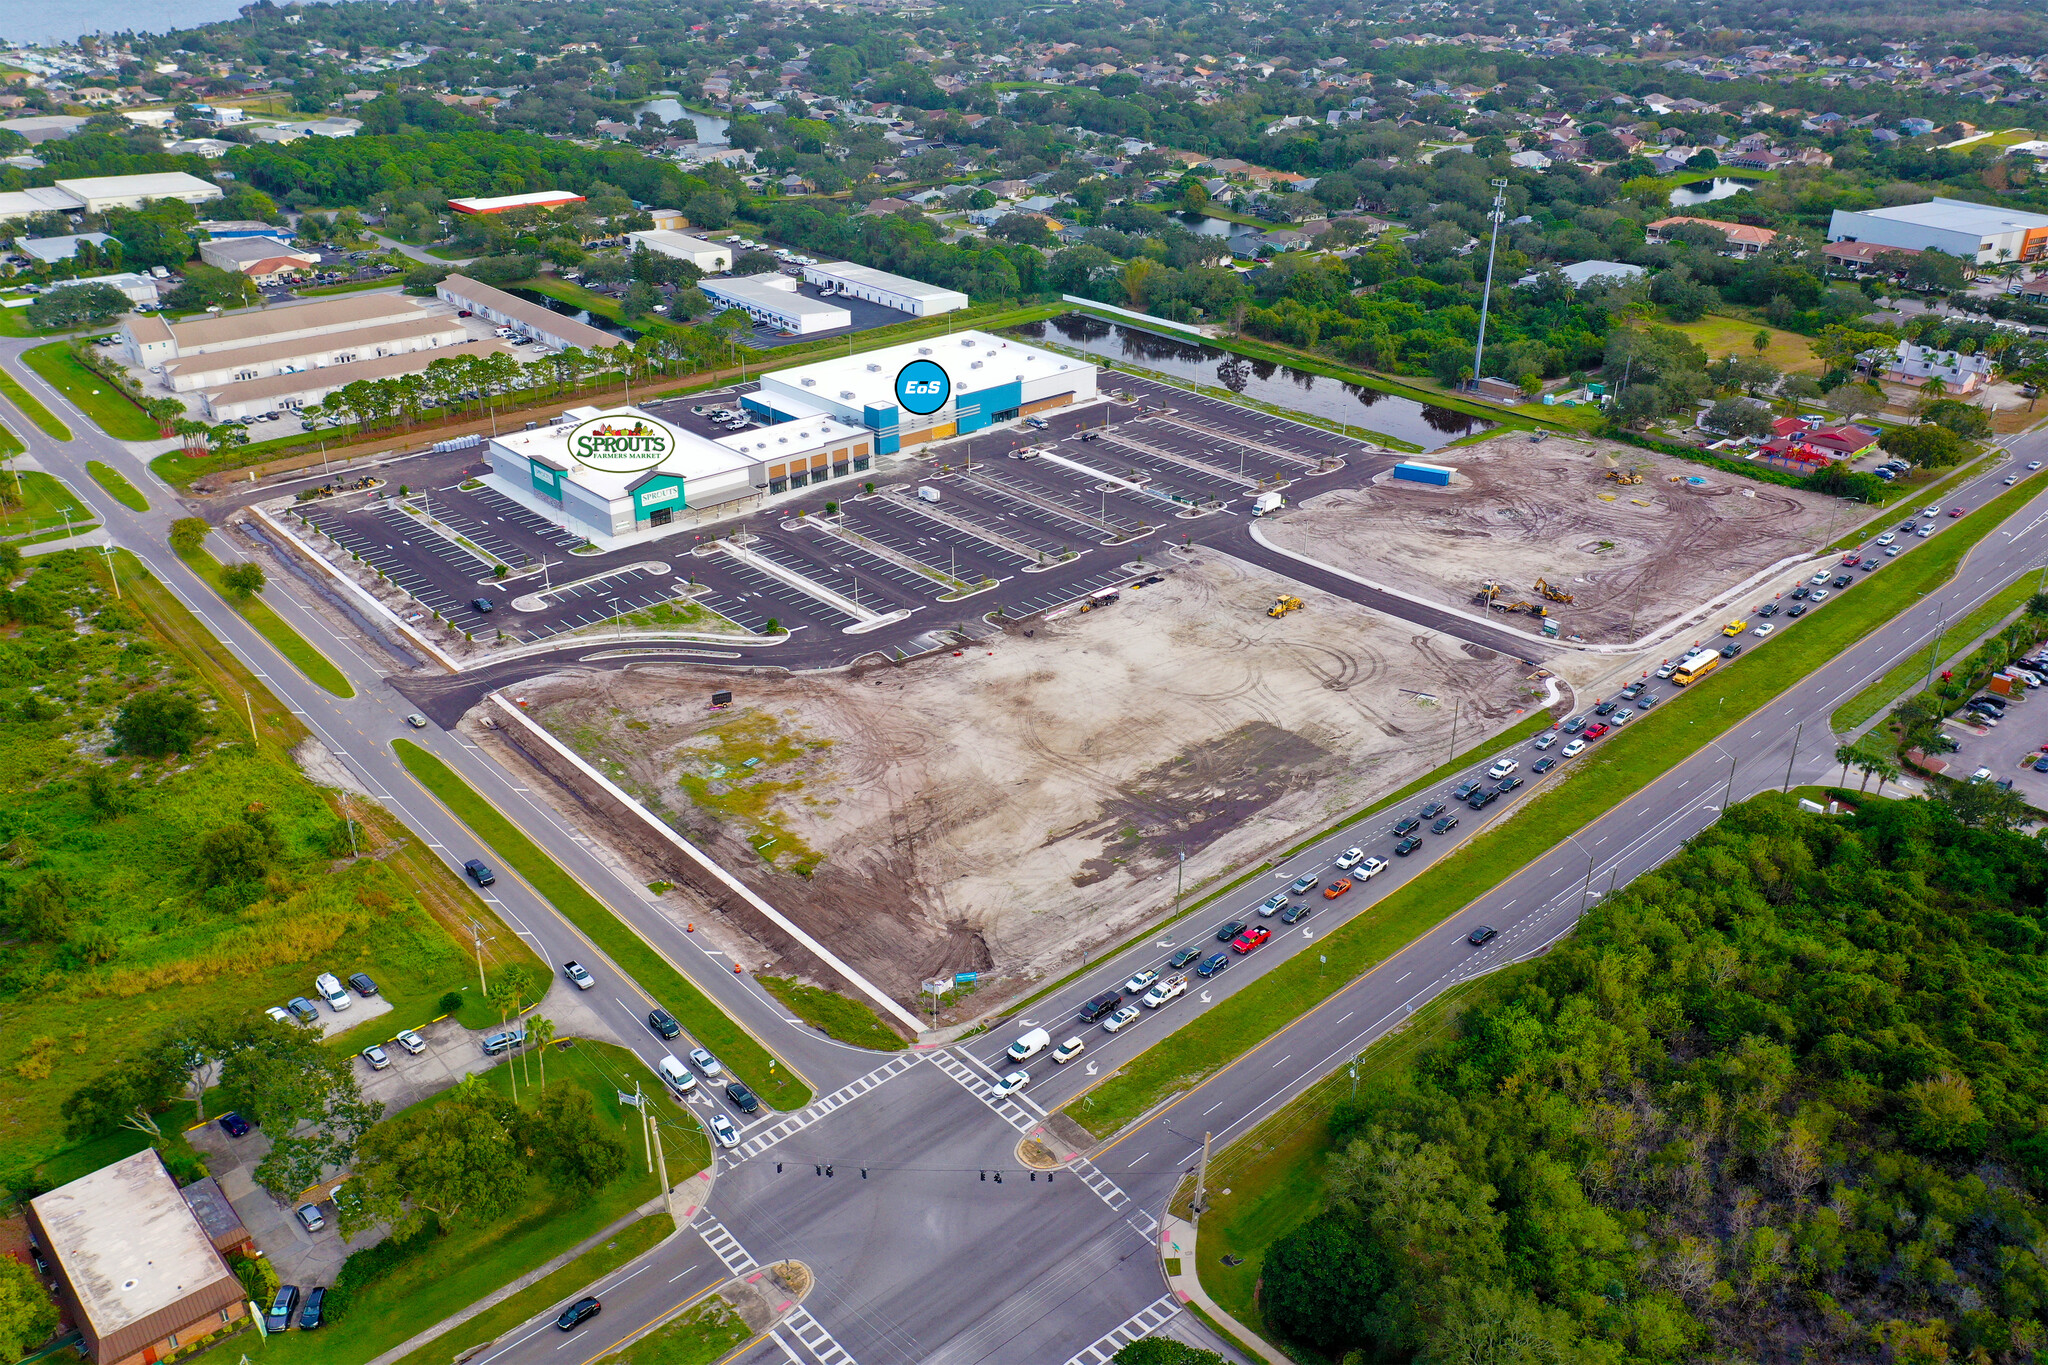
(620, 445)
(922, 387)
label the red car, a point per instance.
(1594, 731)
(1955, 511)
(1252, 938)
(1336, 888)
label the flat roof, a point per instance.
(403, 330)
(128, 1242)
(882, 279)
(677, 241)
(541, 319)
(784, 439)
(334, 376)
(1960, 215)
(41, 199)
(871, 375)
(155, 185)
(763, 292)
(254, 325)
(498, 204)
(245, 249)
(695, 457)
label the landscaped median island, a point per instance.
(1623, 764)
(117, 485)
(842, 1018)
(92, 394)
(707, 1023)
(31, 408)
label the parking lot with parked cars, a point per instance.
(2004, 739)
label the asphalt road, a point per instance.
(924, 1260)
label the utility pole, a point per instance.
(1180, 872)
(1729, 795)
(1497, 213)
(1201, 1199)
(1796, 733)
(107, 553)
(661, 1164)
(1934, 653)
(1454, 728)
(250, 702)
(646, 1137)
(477, 937)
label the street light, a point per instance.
(1588, 887)
(1729, 795)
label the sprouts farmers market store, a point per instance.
(620, 476)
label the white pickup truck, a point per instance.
(1169, 989)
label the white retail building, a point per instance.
(710, 257)
(1982, 234)
(772, 298)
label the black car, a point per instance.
(1731, 649)
(1508, 784)
(1444, 825)
(1843, 580)
(1464, 790)
(1101, 1005)
(1213, 964)
(234, 1125)
(361, 984)
(1646, 701)
(1767, 609)
(663, 1023)
(1295, 914)
(483, 604)
(1432, 810)
(1407, 846)
(1796, 610)
(1542, 766)
(1480, 935)
(1407, 826)
(309, 1317)
(1481, 800)
(578, 1312)
(741, 1098)
(1227, 932)
(1182, 958)
(1605, 708)
(1633, 690)
(1801, 593)
(279, 1318)
(480, 872)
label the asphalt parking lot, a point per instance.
(2009, 749)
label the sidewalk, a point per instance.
(1177, 1243)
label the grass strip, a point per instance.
(117, 485)
(703, 1334)
(77, 529)
(32, 409)
(710, 1025)
(1635, 756)
(317, 667)
(1962, 636)
(592, 1266)
(91, 393)
(1514, 734)
(848, 1021)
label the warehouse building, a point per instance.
(262, 259)
(900, 292)
(234, 402)
(544, 199)
(151, 341)
(137, 1272)
(772, 298)
(97, 194)
(211, 369)
(530, 319)
(1982, 234)
(680, 479)
(926, 390)
(710, 257)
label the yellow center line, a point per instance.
(639, 1332)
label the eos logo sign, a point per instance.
(922, 387)
(620, 445)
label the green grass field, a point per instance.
(32, 408)
(117, 485)
(714, 1028)
(469, 1261)
(41, 506)
(317, 667)
(1957, 637)
(1583, 790)
(847, 1020)
(1722, 336)
(92, 394)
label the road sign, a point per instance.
(966, 978)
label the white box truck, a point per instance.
(1267, 502)
(927, 493)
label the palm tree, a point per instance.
(504, 993)
(1847, 755)
(1886, 771)
(542, 1031)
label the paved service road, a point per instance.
(924, 1260)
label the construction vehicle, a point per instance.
(1488, 591)
(1623, 476)
(1284, 604)
(1533, 608)
(1551, 594)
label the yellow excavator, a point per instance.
(1533, 608)
(1488, 591)
(1551, 594)
(1284, 604)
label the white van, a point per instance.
(676, 1076)
(1030, 1045)
(331, 991)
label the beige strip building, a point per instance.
(213, 369)
(233, 402)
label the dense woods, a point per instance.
(1780, 1100)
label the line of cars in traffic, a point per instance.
(682, 1083)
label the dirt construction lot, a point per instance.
(1004, 810)
(1631, 556)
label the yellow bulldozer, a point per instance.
(1284, 604)
(1623, 476)
(1551, 594)
(1488, 591)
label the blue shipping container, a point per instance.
(1424, 473)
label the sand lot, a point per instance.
(1632, 557)
(1003, 811)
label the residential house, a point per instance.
(1743, 240)
(1913, 366)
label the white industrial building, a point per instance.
(701, 480)
(900, 292)
(992, 380)
(263, 360)
(710, 257)
(253, 397)
(97, 194)
(532, 319)
(773, 298)
(1982, 234)
(151, 340)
